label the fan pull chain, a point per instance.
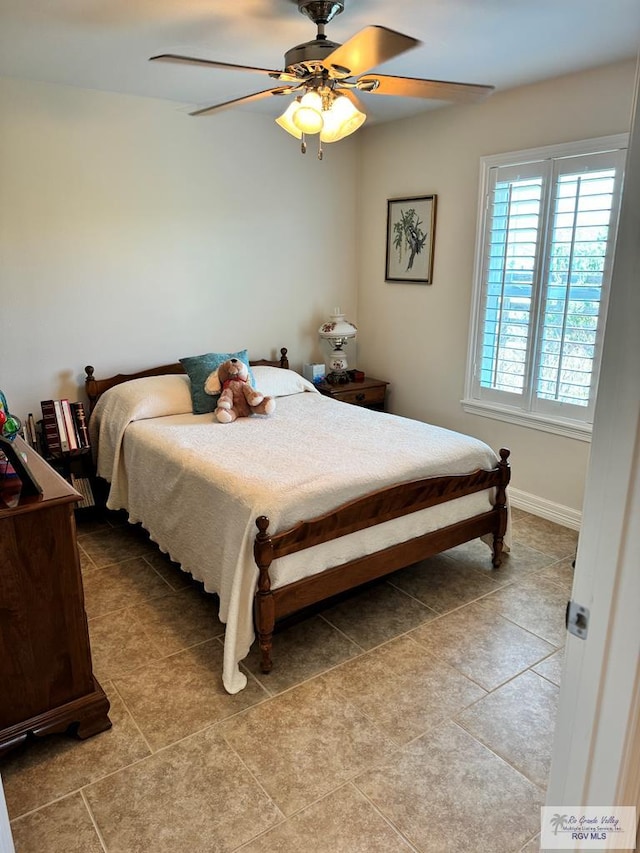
(303, 145)
(319, 148)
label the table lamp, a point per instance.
(337, 331)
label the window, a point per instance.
(545, 248)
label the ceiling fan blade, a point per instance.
(370, 47)
(412, 87)
(247, 99)
(191, 60)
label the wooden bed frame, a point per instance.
(375, 508)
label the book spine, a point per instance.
(80, 420)
(69, 425)
(50, 428)
(33, 433)
(64, 441)
(41, 445)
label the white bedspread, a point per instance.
(198, 486)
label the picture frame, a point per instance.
(411, 224)
(29, 486)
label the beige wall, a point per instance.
(416, 336)
(132, 234)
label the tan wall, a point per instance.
(416, 336)
(132, 234)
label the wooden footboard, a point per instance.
(384, 505)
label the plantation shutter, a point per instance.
(511, 266)
(577, 270)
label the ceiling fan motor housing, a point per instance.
(320, 11)
(309, 55)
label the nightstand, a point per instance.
(370, 393)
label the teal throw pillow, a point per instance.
(198, 368)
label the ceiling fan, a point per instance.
(319, 72)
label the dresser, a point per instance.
(45, 659)
(369, 393)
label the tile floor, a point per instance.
(416, 715)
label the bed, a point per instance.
(274, 514)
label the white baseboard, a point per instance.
(557, 513)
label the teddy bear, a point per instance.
(237, 398)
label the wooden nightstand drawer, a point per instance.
(364, 396)
(370, 393)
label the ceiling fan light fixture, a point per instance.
(341, 120)
(286, 119)
(308, 116)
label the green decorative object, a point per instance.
(10, 425)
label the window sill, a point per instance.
(544, 423)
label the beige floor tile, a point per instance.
(487, 804)
(62, 827)
(536, 604)
(121, 585)
(560, 573)
(92, 525)
(517, 722)
(443, 585)
(404, 690)
(115, 544)
(301, 651)
(481, 644)
(544, 536)
(532, 846)
(56, 765)
(180, 619)
(182, 694)
(169, 571)
(377, 614)
(516, 512)
(119, 644)
(343, 822)
(517, 563)
(193, 797)
(551, 667)
(86, 563)
(304, 743)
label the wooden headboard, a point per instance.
(96, 387)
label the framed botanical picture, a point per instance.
(411, 224)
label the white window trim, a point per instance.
(498, 411)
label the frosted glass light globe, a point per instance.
(308, 117)
(341, 120)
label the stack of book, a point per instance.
(64, 426)
(65, 436)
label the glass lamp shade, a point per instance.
(286, 120)
(341, 120)
(308, 117)
(337, 331)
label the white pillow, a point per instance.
(279, 382)
(135, 400)
(148, 397)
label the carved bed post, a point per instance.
(501, 507)
(265, 611)
(284, 361)
(90, 387)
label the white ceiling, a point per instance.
(105, 44)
